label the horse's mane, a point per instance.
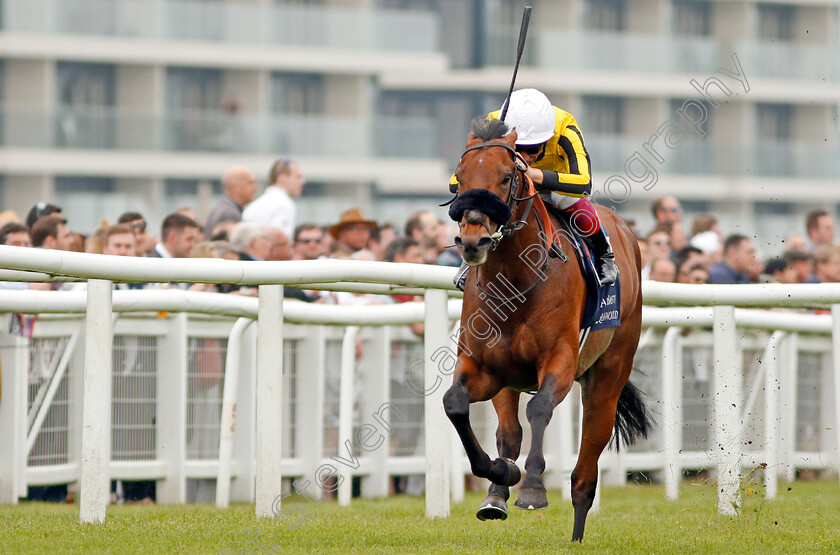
(488, 129)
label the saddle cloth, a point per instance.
(602, 303)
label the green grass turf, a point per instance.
(633, 519)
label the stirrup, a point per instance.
(607, 278)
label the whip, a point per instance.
(523, 31)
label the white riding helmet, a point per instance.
(532, 115)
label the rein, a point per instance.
(522, 186)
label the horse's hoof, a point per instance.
(532, 499)
(512, 474)
(492, 508)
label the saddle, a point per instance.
(602, 303)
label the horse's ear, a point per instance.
(472, 139)
(510, 138)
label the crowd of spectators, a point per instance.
(240, 226)
(672, 252)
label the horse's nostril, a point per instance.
(484, 243)
(457, 240)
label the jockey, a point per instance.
(551, 143)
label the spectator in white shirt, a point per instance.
(275, 206)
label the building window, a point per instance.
(603, 115)
(85, 117)
(775, 208)
(85, 84)
(3, 114)
(295, 98)
(606, 15)
(97, 18)
(677, 105)
(84, 184)
(774, 129)
(406, 104)
(692, 18)
(195, 120)
(193, 88)
(203, 20)
(775, 22)
(86, 199)
(190, 187)
(696, 206)
(774, 121)
(189, 193)
(408, 124)
(297, 93)
(300, 2)
(409, 4)
(499, 32)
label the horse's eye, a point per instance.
(508, 179)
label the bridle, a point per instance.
(517, 194)
(519, 187)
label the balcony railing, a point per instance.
(780, 60)
(109, 128)
(808, 159)
(323, 26)
(602, 50)
(665, 54)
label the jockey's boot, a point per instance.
(460, 278)
(605, 258)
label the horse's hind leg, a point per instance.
(508, 442)
(470, 385)
(599, 399)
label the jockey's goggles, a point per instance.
(530, 149)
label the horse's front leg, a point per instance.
(470, 385)
(508, 442)
(556, 378)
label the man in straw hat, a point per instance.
(352, 233)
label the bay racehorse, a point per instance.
(520, 330)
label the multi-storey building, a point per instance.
(110, 105)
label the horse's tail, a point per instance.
(632, 418)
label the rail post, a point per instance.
(835, 350)
(672, 424)
(727, 410)
(15, 360)
(269, 399)
(347, 395)
(437, 425)
(228, 420)
(772, 386)
(96, 419)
